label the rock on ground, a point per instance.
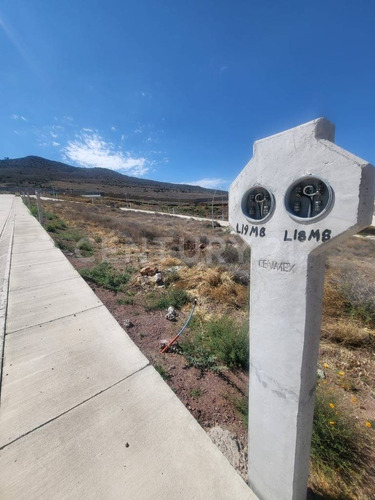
(171, 314)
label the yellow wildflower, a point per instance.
(368, 424)
(332, 423)
(326, 365)
(341, 373)
(354, 400)
(331, 405)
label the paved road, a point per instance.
(46, 198)
(83, 414)
(223, 223)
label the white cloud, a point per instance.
(53, 134)
(210, 183)
(18, 117)
(113, 129)
(91, 150)
(54, 143)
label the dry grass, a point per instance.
(332, 488)
(345, 322)
(169, 262)
(338, 325)
(348, 332)
(214, 284)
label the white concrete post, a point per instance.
(298, 194)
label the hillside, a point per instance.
(35, 172)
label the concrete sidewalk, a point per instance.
(83, 414)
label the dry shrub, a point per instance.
(347, 332)
(169, 262)
(332, 488)
(214, 277)
(349, 307)
(215, 284)
(241, 276)
(333, 302)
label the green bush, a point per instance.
(103, 274)
(67, 247)
(221, 341)
(86, 246)
(229, 341)
(71, 235)
(200, 357)
(52, 223)
(338, 446)
(34, 210)
(51, 228)
(175, 298)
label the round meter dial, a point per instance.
(308, 199)
(258, 204)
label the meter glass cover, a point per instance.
(308, 199)
(258, 204)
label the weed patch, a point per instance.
(64, 245)
(162, 372)
(200, 357)
(171, 277)
(85, 247)
(128, 301)
(34, 210)
(338, 447)
(242, 406)
(175, 298)
(103, 274)
(71, 235)
(196, 392)
(221, 341)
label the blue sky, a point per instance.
(178, 90)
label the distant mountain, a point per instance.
(34, 172)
